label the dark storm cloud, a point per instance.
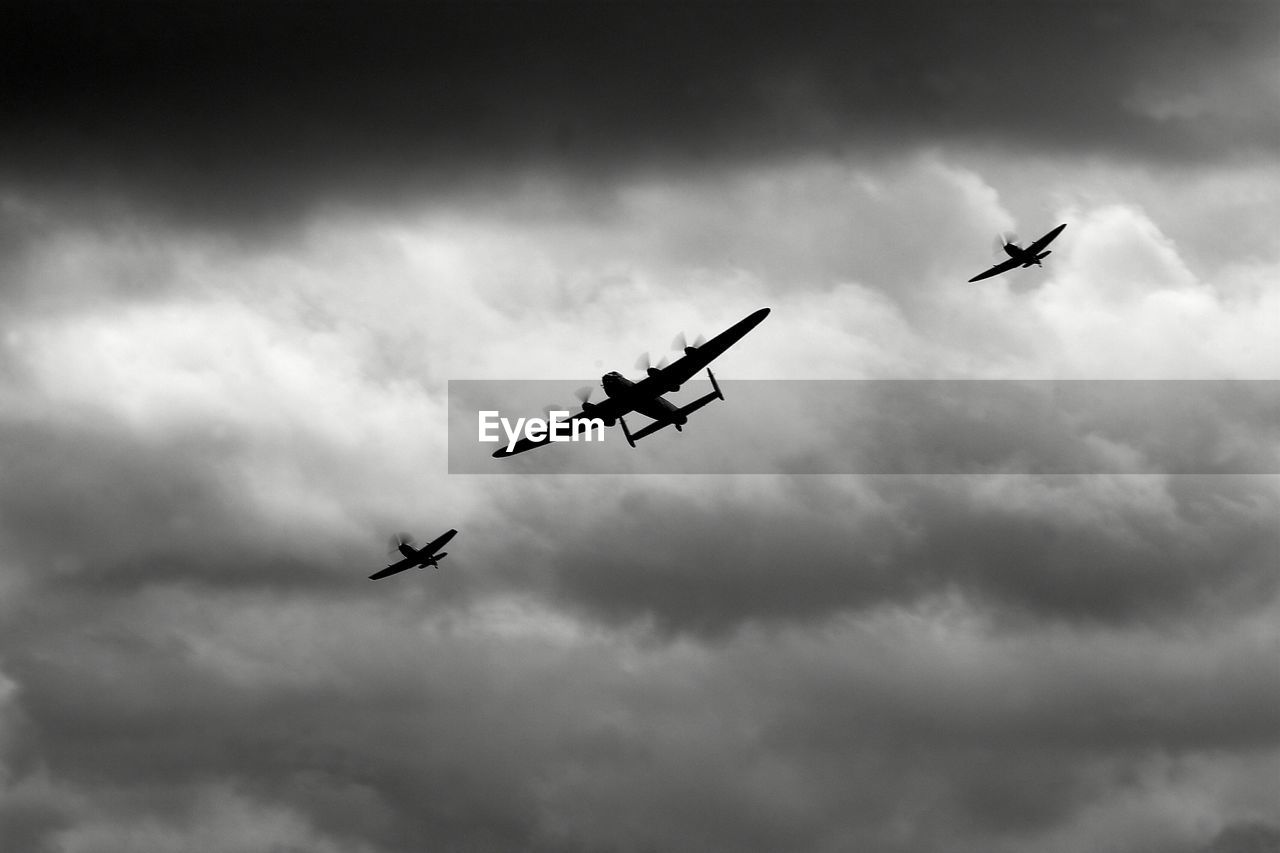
(1250, 837)
(136, 710)
(1079, 549)
(226, 109)
(27, 821)
(382, 730)
(93, 506)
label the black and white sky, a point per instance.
(244, 247)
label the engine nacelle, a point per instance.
(589, 409)
(670, 387)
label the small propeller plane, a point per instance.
(415, 557)
(1020, 257)
(623, 396)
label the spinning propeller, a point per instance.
(646, 364)
(1004, 238)
(398, 539)
(584, 397)
(681, 343)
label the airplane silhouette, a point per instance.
(623, 396)
(415, 557)
(1020, 257)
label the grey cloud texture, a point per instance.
(511, 729)
(244, 250)
(232, 115)
(207, 442)
(1109, 550)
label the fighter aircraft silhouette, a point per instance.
(415, 557)
(1020, 257)
(624, 396)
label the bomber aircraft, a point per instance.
(623, 396)
(415, 557)
(1021, 257)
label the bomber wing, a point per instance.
(1035, 247)
(394, 568)
(1003, 266)
(685, 368)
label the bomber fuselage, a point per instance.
(656, 407)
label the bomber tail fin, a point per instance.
(716, 394)
(626, 432)
(646, 430)
(715, 384)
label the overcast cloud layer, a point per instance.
(243, 249)
(211, 112)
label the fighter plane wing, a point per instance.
(695, 359)
(1003, 266)
(392, 569)
(1035, 247)
(436, 544)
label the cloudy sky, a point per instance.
(245, 247)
